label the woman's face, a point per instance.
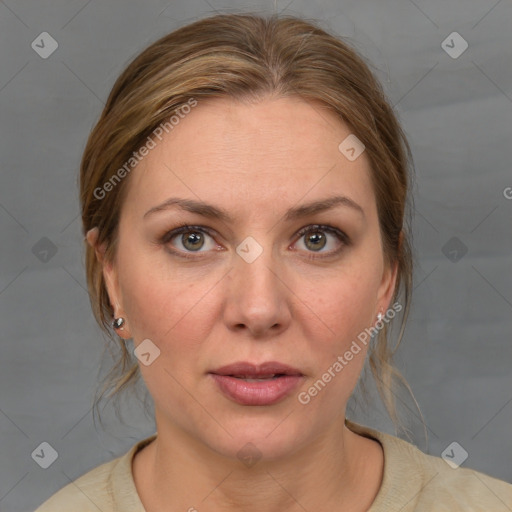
(250, 288)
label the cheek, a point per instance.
(173, 309)
(346, 306)
(175, 317)
(347, 302)
(160, 309)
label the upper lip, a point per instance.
(250, 370)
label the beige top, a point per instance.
(412, 481)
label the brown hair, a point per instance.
(246, 56)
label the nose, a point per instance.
(258, 299)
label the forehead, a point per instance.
(254, 153)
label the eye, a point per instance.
(188, 239)
(315, 238)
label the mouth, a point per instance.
(267, 370)
(249, 384)
(248, 378)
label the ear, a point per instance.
(111, 279)
(388, 283)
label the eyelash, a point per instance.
(185, 228)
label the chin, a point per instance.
(254, 436)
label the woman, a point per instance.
(244, 202)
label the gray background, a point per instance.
(457, 113)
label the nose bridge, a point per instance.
(257, 297)
(254, 263)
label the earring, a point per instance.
(380, 316)
(118, 323)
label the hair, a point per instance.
(247, 57)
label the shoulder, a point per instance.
(108, 487)
(86, 493)
(416, 481)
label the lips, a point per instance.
(249, 384)
(245, 370)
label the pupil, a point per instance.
(315, 238)
(192, 239)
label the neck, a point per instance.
(337, 470)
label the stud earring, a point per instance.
(118, 323)
(380, 316)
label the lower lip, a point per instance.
(265, 392)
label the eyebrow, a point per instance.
(214, 212)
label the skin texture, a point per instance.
(255, 160)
